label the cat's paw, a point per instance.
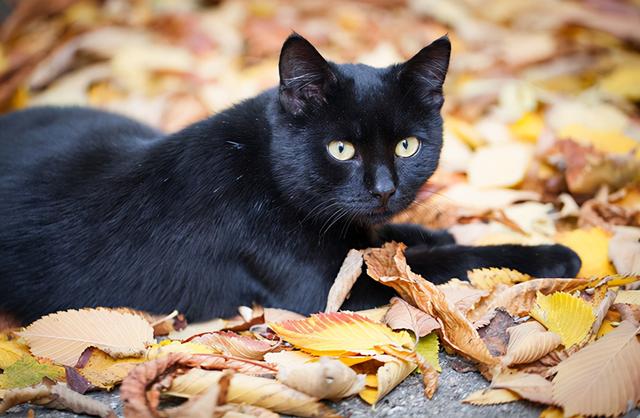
(554, 261)
(412, 235)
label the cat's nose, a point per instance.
(383, 189)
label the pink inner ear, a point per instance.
(8, 321)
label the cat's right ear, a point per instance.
(306, 78)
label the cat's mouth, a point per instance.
(380, 215)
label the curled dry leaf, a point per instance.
(565, 315)
(63, 336)
(205, 405)
(461, 294)
(340, 333)
(601, 310)
(489, 278)
(624, 250)
(56, 396)
(401, 315)
(528, 342)
(349, 272)
(628, 312)
(388, 266)
(232, 344)
(491, 397)
(323, 379)
(387, 377)
(532, 387)
(602, 378)
(262, 392)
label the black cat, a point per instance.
(259, 203)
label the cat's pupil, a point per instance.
(340, 147)
(405, 144)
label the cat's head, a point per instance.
(352, 141)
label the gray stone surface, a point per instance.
(407, 400)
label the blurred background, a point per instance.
(541, 116)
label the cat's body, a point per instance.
(246, 206)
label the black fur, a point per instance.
(246, 206)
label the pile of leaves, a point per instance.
(570, 343)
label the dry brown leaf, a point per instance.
(602, 378)
(323, 379)
(232, 344)
(349, 272)
(461, 294)
(401, 315)
(63, 336)
(628, 312)
(387, 265)
(205, 405)
(624, 250)
(280, 315)
(495, 334)
(528, 342)
(55, 396)
(491, 397)
(266, 393)
(528, 386)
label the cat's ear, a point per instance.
(427, 70)
(306, 78)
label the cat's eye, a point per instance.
(341, 150)
(407, 147)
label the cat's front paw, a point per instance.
(412, 235)
(554, 261)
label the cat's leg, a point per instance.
(439, 264)
(412, 235)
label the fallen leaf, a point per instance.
(56, 396)
(230, 343)
(461, 294)
(628, 296)
(569, 317)
(429, 347)
(169, 346)
(489, 278)
(515, 159)
(491, 397)
(528, 342)
(28, 371)
(323, 379)
(495, 334)
(552, 412)
(280, 315)
(592, 245)
(349, 272)
(102, 370)
(258, 391)
(205, 405)
(11, 351)
(198, 328)
(624, 250)
(387, 377)
(388, 266)
(602, 378)
(532, 387)
(63, 336)
(339, 333)
(401, 315)
(289, 358)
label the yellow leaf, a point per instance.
(11, 351)
(386, 378)
(552, 412)
(491, 397)
(605, 328)
(614, 142)
(464, 131)
(602, 378)
(592, 245)
(489, 278)
(28, 371)
(63, 336)
(258, 391)
(428, 347)
(566, 315)
(628, 296)
(623, 81)
(528, 127)
(514, 158)
(340, 333)
(528, 342)
(103, 371)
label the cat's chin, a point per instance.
(377, 217)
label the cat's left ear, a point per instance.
(427, 70)
(306, 78)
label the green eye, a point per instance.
(407, 147)
(341, 150)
